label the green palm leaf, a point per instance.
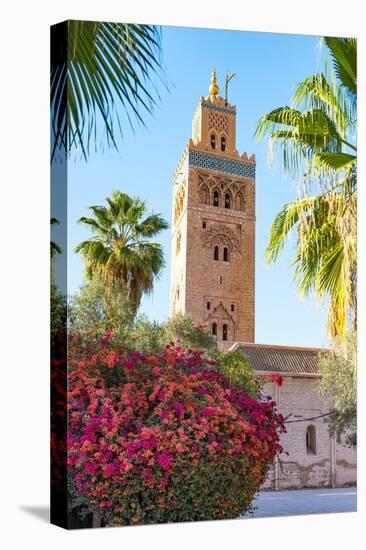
(343, 52)
(335, 161)
(121, 249)
(317, 136)
(111, 68)
(54, 247)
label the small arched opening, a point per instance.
(213, 141)
(216, 253)
(216, 198)
(224, 331)
(203, 195)
(311, 440)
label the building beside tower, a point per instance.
(213, 281)
(213, 237)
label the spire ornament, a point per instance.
(213, 89)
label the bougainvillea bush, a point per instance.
(163, 438)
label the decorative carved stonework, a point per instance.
(225, 187)
(220, 233)
(179, 201)
(219, 163)
(213, 248)
(220, 313)
(218, 122)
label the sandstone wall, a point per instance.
(331, 464)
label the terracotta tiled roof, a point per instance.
(281, 359)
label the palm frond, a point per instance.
(315, 92)
(121, 250)
(300, 134)
(285, 222)
(334, 161)
(343, 52)
(152, 225)
(55, 249)
(111, 68)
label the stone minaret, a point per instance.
(213, 235)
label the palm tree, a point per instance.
(55, 248)
(121, 250)
(99, 70)
(317, 135)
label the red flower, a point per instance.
(276, 378)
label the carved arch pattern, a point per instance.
(218, 122)
(220, 234)
(204, 194)
(179, 201)
(220, 316)
(208, 184)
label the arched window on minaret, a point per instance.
(214, 329)
(203, 194)
(223, 143)
(216, 199)
(213, 141)
(224, 331)
(227, 201)
(216, 253)
(226, 254)
(239, 202)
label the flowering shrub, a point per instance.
(164, 438)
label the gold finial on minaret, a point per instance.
(213, 89)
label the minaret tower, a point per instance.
(213, 229)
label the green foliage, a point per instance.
(238, 370)
(338, 368)
(150, 335)
(58, 314)
(317, 136)
(121, 250)
(110, 69)
(95, 307)
(181, 329)
(55, 248)
(146, 335)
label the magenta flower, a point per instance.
(164, 460)
(109, 469)
(179, 408)
(89, 467)
(128, 363)
(206, 412)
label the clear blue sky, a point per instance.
(268, 67)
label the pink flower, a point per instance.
(164, 460)
(89, 467)
(179, 408)
(109, 469)
(206, 412)
(128, 363)
(108, 336)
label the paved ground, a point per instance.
(306, 501)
